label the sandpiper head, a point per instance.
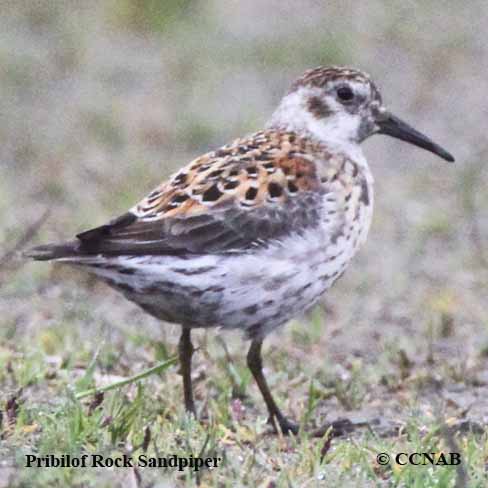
(342, 107)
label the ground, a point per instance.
(100, 102)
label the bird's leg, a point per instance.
(185, 350)
(255, 364)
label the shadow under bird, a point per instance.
(252, 234)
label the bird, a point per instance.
(252, 234)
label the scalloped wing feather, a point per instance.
(249, 193)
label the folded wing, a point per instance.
(250, 193)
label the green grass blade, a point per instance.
(159, 368)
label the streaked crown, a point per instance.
(322, 77)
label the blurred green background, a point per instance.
(101, 100)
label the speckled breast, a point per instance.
(261, 288)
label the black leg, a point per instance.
(255, 364)
(185, 349)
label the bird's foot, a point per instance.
(335, 429)
(190, 408)
(286, 426)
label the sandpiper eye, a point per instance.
(345, 93)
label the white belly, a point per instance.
(255, 291)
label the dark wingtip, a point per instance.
(52, 251)
(104, 231)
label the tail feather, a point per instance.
(48, 252)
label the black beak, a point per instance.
(394, 127)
